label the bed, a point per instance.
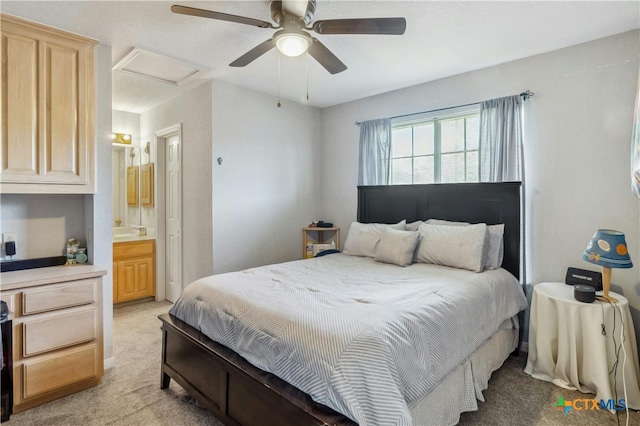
(368, 370)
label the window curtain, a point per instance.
(375, 148)
(501, 156)
(500, 148)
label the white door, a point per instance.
(173, 218)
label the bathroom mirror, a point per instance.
(126, 185)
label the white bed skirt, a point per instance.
(460, 390)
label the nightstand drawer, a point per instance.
(75, 293)
(58, 332)
(58, 371)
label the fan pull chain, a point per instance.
(279, 104)
(307, 74)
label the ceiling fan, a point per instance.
(294, 21)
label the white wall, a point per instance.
(577, 148)
(98, 205)
(269, 183)
(43, 223)
(126, 122)
(193, 110)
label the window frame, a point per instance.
(436, 117)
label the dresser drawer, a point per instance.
(133, 249)
(40, 376)
(54, 297)
(58, 331)
(9, 299)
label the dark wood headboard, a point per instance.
(490, 203)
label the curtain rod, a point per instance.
(525, 95)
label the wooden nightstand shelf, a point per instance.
(319, 235)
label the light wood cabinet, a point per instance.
(146, 187)
(134, 270)
(47, 109)
(57, 332)
(132, 186)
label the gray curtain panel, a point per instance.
(375, 148)
(501, 140)
(501, 153)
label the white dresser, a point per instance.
(57, 315)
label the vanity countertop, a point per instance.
(131, 238)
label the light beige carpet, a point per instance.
(130, 393)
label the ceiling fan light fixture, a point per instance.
(292, 43)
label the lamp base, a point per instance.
(606, 283)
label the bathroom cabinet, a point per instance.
(134, 270)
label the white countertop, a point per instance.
(130, 238)
(52, 274)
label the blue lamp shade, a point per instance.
(608, 248)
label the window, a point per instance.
(436, 147)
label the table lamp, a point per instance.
(608, 249)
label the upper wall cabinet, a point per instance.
(48, 109)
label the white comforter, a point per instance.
(365, 338)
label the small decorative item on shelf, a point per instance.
(321, 224)
(72, 250)
(81, 256)
(318, 248)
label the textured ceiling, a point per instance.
(443, 38)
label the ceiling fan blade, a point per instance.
(389, 26)
(327, 59)
(253, 54)
(185, 10)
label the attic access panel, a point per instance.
(154, 66)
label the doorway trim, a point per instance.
(161, 236)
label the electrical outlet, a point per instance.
(10, 236)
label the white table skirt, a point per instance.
(567, 347)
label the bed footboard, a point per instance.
(229, 387)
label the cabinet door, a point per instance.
(63, 156)
(132, 186)
(114, 285)
(146, 185)
(48, 109)
(136, 279)
(19, 159)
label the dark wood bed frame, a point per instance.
(238, 393)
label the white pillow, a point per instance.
(456, 246)
(413, 226)
(397, 247)
(363, 238)
(494, 246)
